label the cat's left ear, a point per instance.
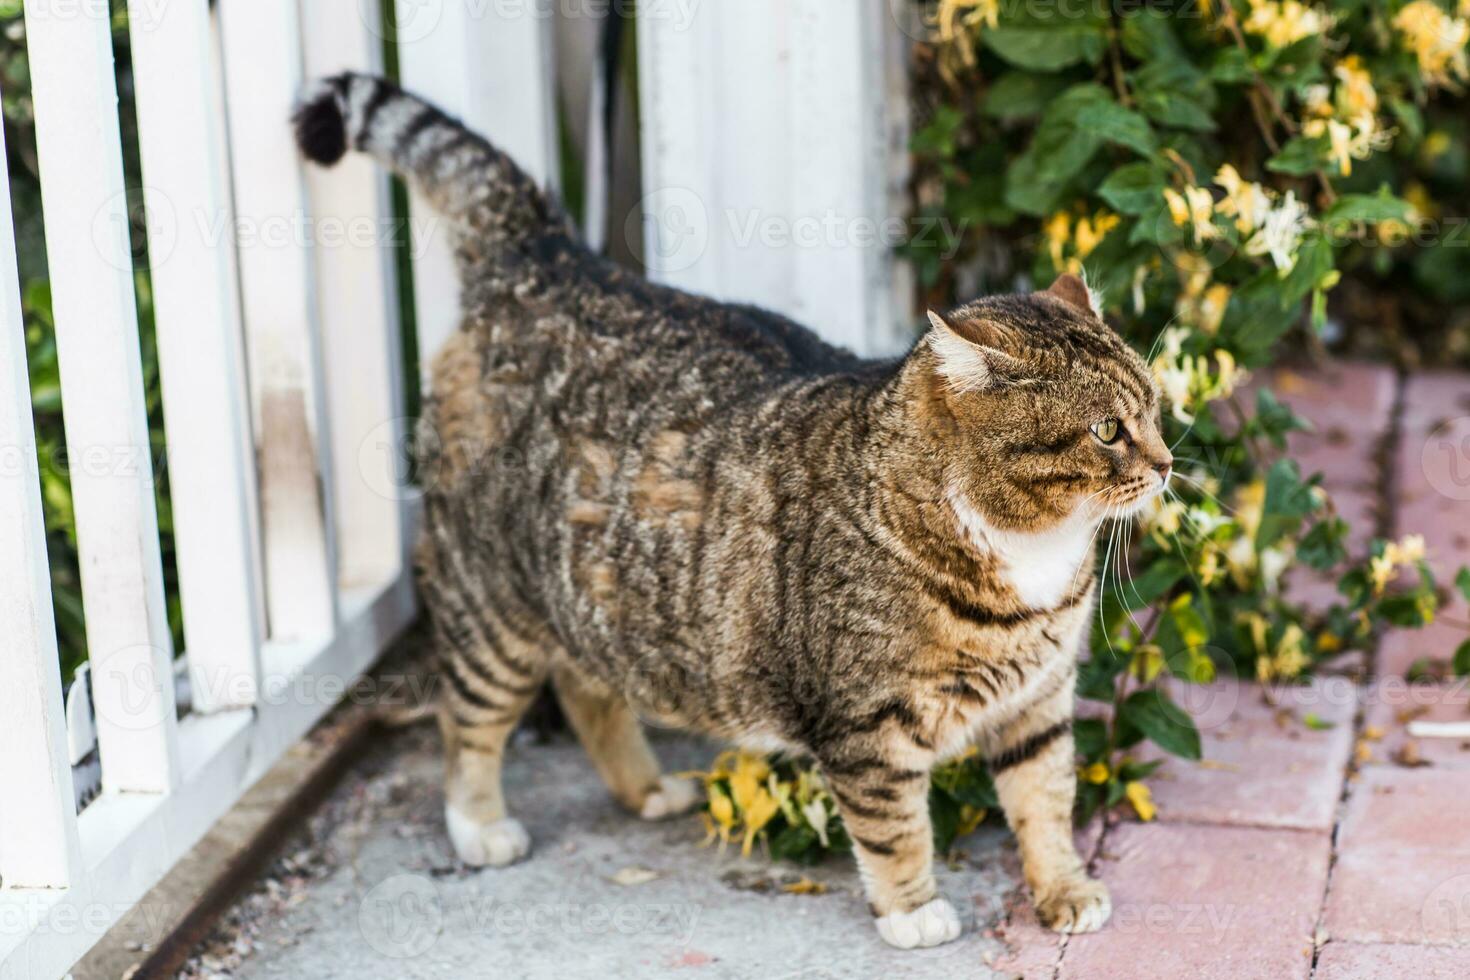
(969, 354)
(1074, 291)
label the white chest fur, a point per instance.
(1041, 567)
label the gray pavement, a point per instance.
(370, 889)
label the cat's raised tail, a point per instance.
(468, 180)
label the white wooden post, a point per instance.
(774, 136)
(205, 403)
(491, 65)
(38, 821)
(359, 313)
(262, 55)
(90, 259)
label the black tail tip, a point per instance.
(321, 131)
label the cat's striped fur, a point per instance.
(700, 514)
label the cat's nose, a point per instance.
(1163, 469)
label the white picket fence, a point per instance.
(277, 329)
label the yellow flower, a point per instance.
(1355, 92)
(1090, 232)
(970, 818)
(1380, 572)
(1284, 22)
(1422, 205)
(745, 781)
(1437, 41)
(1408, 550)
(1058, 232)
(1142, 799)
(1097, 773)
(1246, 201)
(762, 808)
(722, 811)
(1212, 310)
(1192, 208)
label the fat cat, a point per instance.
(662, 503)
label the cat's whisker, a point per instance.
(1198, 485)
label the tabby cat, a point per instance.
(701, 514)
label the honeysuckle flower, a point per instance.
(1437, 41)
(816, 817)
(1057, 230)
(1091, 231)
(1142, 799)
(1381, 570)
(1280, 234)
(1355, 92)
(1193, 208)
(1284, 22)
(1188, 381)
(1245, 201)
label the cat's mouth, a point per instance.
(1131, 496)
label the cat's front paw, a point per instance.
(673, 797)
(493, 844)
(930, 924)
(1079, 904)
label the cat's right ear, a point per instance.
(966, 363)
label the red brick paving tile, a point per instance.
(1433, 467)
(1383, 961)
(1359, 397)
(1392, 703)
(1403, 868)
(1258, 770)
(1205, 902)
(1401, 649)
(1033, 949)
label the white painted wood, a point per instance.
(773, 141)
(205, 397)
(88, 250)
(491, 65)
(262, 56)
(38, 830)
(358, 310)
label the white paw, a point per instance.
(495, 844)
(1082, 905)
(673, 797)
(928, 925)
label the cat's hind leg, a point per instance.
(491, 675)
(610, 732)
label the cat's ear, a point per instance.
(1074, 291)
(969, 355)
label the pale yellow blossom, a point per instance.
(1437, 41)
(1192, 209)
(1284, 22)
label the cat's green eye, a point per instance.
(1107, 431)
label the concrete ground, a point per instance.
(371, 889)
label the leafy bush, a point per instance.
(1216, 169)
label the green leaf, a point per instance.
(1133, 188)
(1275, 420)
(1058, 152)
(1047, 46)
(1231, 66)
(1323, 546)
(1313, 263)
(1462, 581)
(1117, 124)
(1165, 724)
(1288, 500)
(1300, 156)
(1316, 722)
(1171, 108)
(1020, 95)
(1090, 736)
(1460, 663)
(1367, 208)
(1153, 583)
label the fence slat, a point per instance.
(88, 251)
(358, 308)
(205, 397)
(262, 55)
(38, 826)
(491, 65)
(807, 96)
